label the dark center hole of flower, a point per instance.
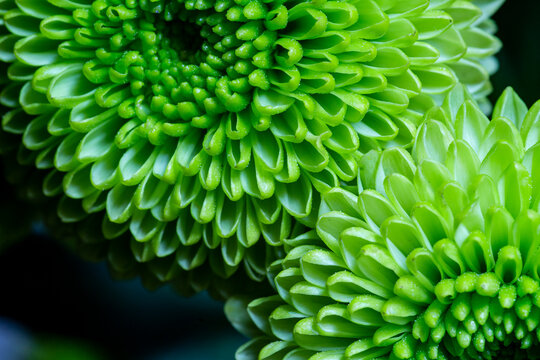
(182, 36)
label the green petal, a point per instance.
(318, 265)
(509, 105)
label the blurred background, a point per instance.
(519, 59)
(55, 306)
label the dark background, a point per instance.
(49, 291)
(519, 59)
(51, 294)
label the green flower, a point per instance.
(200, 127)
(436, 258)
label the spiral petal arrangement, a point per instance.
(200, 127)
(436, 256)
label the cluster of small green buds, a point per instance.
(473, 315)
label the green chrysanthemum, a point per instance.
(202, 126)
(436, 258)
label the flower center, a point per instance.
(176, 35)
(184, 37)
(181, 60)
(476, 316)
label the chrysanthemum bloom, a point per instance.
(201, 126)
(436, 258)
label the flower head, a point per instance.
(200, 127)
(435, 258)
